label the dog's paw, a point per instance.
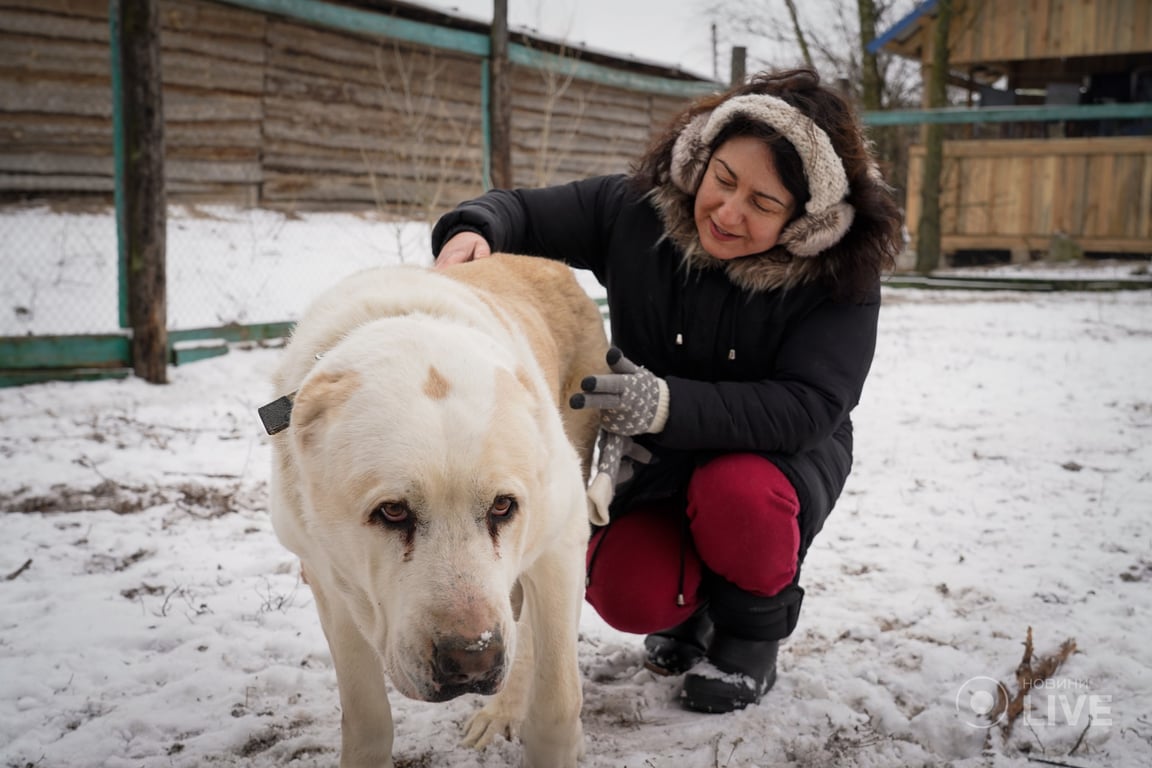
(487, 724)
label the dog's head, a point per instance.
(425, 455)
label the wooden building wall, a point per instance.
(262, 110)
(566, 129)
(1005, 30)
(213, 61)
(365, 122)
(1016, 195)
(55, 96)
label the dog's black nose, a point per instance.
(469, 665)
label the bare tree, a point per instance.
(553, 108)
(833, 36)
(799, 32)
(553, 146)
(928, 234)
(825, 35)
(427, 146)
(870, 94)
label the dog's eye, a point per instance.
(502, 506)
(391, 513)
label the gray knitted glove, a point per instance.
(615, 465)
(634, 401)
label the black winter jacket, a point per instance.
(762, 367)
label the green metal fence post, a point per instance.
(118, 161)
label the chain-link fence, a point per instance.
(249, 266)
(225, 266)
(60, 272)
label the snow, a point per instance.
(1003, 481)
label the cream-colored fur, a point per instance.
(442, 395)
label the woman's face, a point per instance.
(741, 204)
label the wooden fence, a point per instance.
(1016, 195)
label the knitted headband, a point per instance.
(827, 216)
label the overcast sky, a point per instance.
(671, 32)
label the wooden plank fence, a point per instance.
(270, 110)
(1015, 194)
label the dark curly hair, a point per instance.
(871, 244)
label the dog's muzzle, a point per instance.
(467, 665)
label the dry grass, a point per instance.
(1030, 674)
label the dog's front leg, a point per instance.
(553, 590)
(504, 712)
(366, 720)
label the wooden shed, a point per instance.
(356, 104)
(1021, 187)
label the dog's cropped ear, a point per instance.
(322, 394)
(517, 388)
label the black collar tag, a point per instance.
(277, 414)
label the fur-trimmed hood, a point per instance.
(799, 256)
(772, 269)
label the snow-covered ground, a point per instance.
(148, 616)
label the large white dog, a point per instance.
(431, 479)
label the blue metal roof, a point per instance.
(904, 25)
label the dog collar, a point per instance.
(277, 415)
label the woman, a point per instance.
(742, 259)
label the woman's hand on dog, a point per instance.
(465, 246)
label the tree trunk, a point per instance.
(500, 108)
(145, 215)
(800, 40)
(928, 233)
(870, 86)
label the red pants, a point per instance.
(741, 525)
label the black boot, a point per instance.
(674, 651)
(741, 659)
(738, 673)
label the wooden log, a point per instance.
(212, 171)
(95, 9)
(500, 100)
(353, 129)
(28, 57)
(242, 135)
(46, 25)
(196, 72)
(32, 130)
(145, 218)
(49, 183)
(74, 96)
(196, 108)
(76, 160)
(216, 25)
(406, 90)
(412, 196)
(531, 125)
